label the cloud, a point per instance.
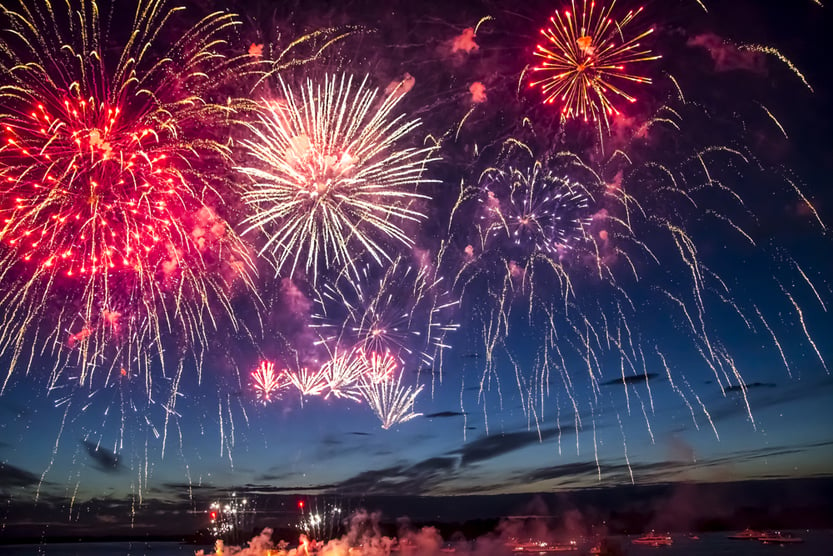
(727, 56)
(420, 477)
(631, 379)
(269, 489)
(581, 468)
(766, 397)
(443, 414)
(11, 476)
(103, 459)
(739, 388)
(488, 447)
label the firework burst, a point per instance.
(534, 211)
(585, 58)
(268, 384)
(308, 382)
(107, 230)
(329, 178)
(390, 401)
(342, 373)
(405, 312)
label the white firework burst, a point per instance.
(329, 178)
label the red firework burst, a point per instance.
(86, 190)
(107, 173)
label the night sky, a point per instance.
(501, 420)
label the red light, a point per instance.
(300, 504)
(213, 515)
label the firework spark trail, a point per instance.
(625, 447)
(706, 413)
(809, 283)
(675, 387)
(774, 119)
(328, 178)
(108, 229)
(730, 362)
(595, 448)
(645, 415)
(807, 202)
(777, 53)
(804, 327)
(584, 61)
(775, 341)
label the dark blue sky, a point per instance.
(513, 429)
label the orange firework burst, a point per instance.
(585, 61)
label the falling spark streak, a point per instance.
(740, 382)
(625, 447)
(676, 388)
(595, 449)
(645, 415)
(807, 202)
(466, 414)
(809, 283)
(481, 21)
(775, 52)
(804, 327)
(220, 418)
(775, 341)
(328, 177)
(708, 415)
(774, 119)
(731, 223)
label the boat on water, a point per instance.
(777, 537)
(541, 547)
(653, 539)
(748, 534)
